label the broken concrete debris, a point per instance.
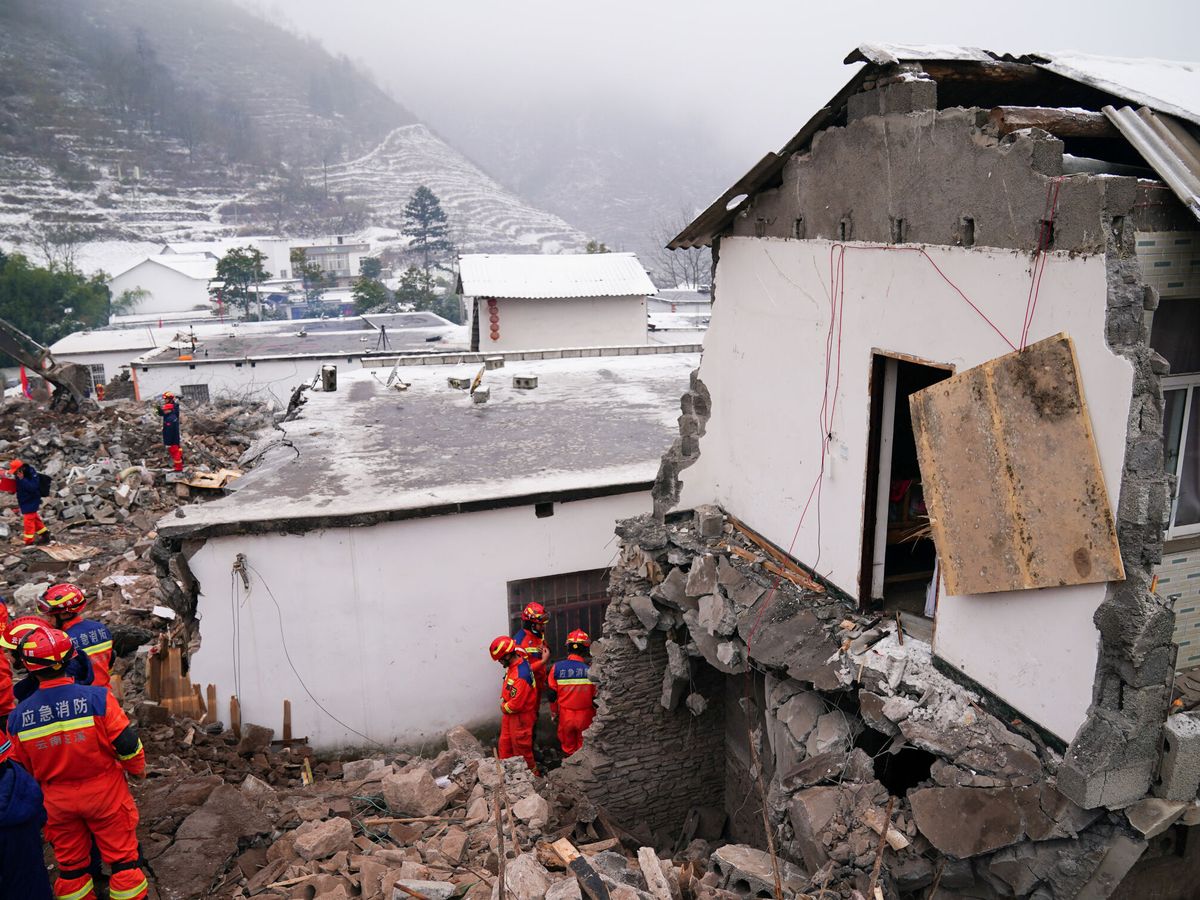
(836, 716)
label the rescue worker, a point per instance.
(78, 743)
(531, 640)
(65, 604)
(169, 410)
(7, 700)
(22, 872)
(23, 480)
(518, 702)
(79, 668)
(572, 692)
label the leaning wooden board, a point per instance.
(1012, 477)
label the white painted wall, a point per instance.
(170, 291)
(568, 322)
(388, 625)
(764, 364)
(112, 360)
(266, 380)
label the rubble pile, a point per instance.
(230, 818)
(109, 489)
(865, 751)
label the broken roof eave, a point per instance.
(768, 171)
(955, 64)
(301, 524)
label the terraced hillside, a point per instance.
(168, 120)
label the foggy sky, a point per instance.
(749, 73)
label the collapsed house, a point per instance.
(931, 402)
(397, 524)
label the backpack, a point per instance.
(44, 482)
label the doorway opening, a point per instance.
(899, 559)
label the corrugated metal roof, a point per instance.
(1167, 146)
(544, 277)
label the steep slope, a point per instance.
(145, 119)
(482, 214)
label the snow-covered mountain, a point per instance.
(171, 120)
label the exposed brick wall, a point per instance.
(1179, 574)
(641, 762)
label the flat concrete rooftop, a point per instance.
(368, 452)
(404, 331)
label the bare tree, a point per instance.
(59, 242)
(690, 268)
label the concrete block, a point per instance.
(1179, 771)
(709, 522)
(1153, 815)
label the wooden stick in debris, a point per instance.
(937, 878)
(786, 562)
(1060, 122)
(416, 894)
(287, 720)
(899, 628)
(762, 794)
(887, 823)
(406, 820)
(235, 717)
(589, 880)
(500, 851)
(211, 705)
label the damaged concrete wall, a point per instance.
(418, 600)
(846, 716)
(759, 452)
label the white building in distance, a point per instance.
(532, 301)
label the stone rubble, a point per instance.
(843, 716)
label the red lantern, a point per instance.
(495, 318)
(495, 334)
(491, 303)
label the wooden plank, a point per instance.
(1062, 122)
(287, 721)
(1012, 476)
(235, 717)
(656, 881)
(590, 884)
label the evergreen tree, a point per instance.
(240, 269)
(370, 267)
(369, 296)
(425, 223)
(312, 277)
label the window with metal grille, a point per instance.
(98, 373)
(194, 393)
(574, 600)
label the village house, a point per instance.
(536, 302)
(904, 546)
(396, 525)
(268, 361)
(168, 283)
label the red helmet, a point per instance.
(43, 647)
(167, 395)
(536, 613)
(502, 647)
(580, 637)
(62, 599)
(10, 637)
(15, 465)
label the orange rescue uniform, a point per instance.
(535, 650)
(573, 696)
(78, 744)
(518, 708)
(94, 639)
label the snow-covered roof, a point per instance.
(1163, 85)
(540, 277)
(199, 266)
(593, 425)
(882, 53)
